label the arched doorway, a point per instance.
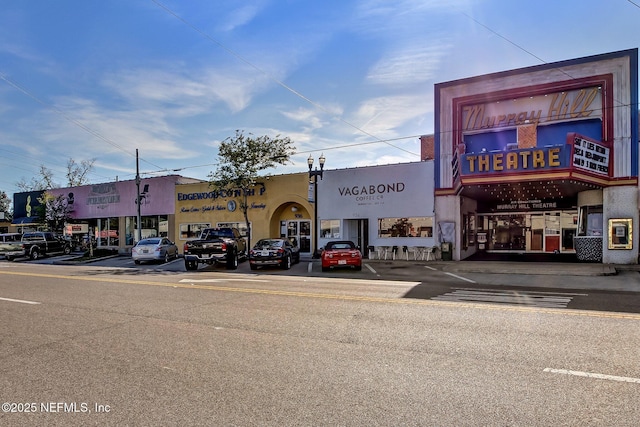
(294, 221)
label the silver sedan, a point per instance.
(154, 249)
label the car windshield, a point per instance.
(340, 245)
(147, 242)
(268, 243)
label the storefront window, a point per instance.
(330, 228)
(152, 226)
(468, 230)
(192, 231)
(241, 226)
(591, 221)
(105, 231)
(405, 227)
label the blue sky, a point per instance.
(352, 79)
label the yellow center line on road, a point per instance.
(408, 301)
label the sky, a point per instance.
(350, 79)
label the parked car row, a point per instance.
(154, 249)
(223, 246)
(275, 252)
(33, 245)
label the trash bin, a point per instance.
(445, 251)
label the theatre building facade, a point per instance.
(541, 160)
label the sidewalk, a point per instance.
(515, 267)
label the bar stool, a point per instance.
(385, 251)
(431, 253)
(394, 252)
(412, 250)
(372, 251)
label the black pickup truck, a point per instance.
(36, 244)
(215, 245)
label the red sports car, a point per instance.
(342, 253)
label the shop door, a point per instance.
(509, 233)
(300, 232)
(552, 232)
(358, 232)
(537, 232)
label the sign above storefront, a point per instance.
(527, 205)
(579, 152)
(515, 160)
(589, 155)
(559, 106)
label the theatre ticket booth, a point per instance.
(542, 159)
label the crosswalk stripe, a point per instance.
(521, 298)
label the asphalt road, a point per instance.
(98, 345)
(599, 293)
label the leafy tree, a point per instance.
(76, 175)
(55, 212)
(241, 158)
(4, 206)
(42, 181)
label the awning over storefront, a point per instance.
(527, 190)
(548, 172)
(26, 220)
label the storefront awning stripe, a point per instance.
(24, 221)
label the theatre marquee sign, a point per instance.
(578, 153)
(590, 155)
(553, 107)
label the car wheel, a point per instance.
(359, 267)
(190, 265)
(34, 254)
(9, 258)
(67, 250)
(232, 262)
(137, 262)
(253, 266)
(286, 262)
(325, 268)
(167, 258)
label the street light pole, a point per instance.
(139, 217)
(313, 178)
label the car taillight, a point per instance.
(224, 247)
(280, 251)
(186, 248)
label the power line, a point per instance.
(634, 3)
(271, 77)
(69, 118)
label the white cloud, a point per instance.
(381, 116)
(240, 16)
(316, 118)
(190, 92)
(411, 65)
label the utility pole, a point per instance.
(139, 219)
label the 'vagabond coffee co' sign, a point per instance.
(371, 191)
